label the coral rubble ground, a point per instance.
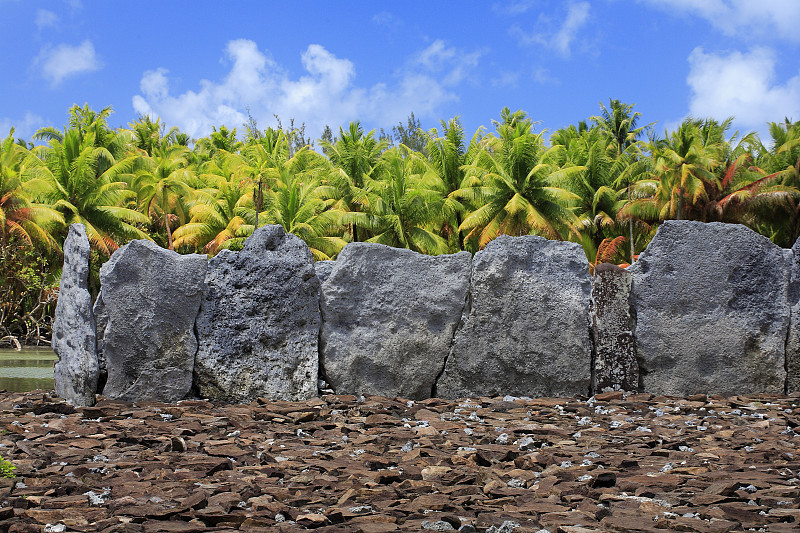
(610, 463)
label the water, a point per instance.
(29, 369)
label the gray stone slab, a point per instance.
(712, 310)
(615, 366)
(149, 299)
(258, 326)
(793, 339)
(74, 341)
(527, 331)
(389, 315)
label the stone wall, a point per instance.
(708, 308)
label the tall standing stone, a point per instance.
(527, 331)
(712, 310)
(615, 366)
(149, 299)
(793, 339)
(259, 323)
(389, 315)
(76, 371)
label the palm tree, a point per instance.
(20, 218)
(218, 218)
(297, 201)
(163, 183)
(401, 204)
(86, 184)
(589, 167)
(261, 154)
(447, 154)
(352, 155)
(620, 123)
(508, 186)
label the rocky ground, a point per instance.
(374, 464)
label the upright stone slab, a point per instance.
(615, 366)
(712, 310)
(259, 323)
(793, 339)
(389, 315)
(76, 370)
(149, 299)
(527, 331)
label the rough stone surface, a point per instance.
(389, 315)
(77, 369)
(323, 269)
(712, 310)
(527, 331)
(258, 326)
(149, 299)
(793, 339)
(615, 366)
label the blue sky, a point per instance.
(197, 64)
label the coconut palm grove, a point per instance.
(605, 183)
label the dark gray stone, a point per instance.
(615, 366)
(527, 331)
(258, 326)
(77, 368)
(324, 269)
(712, 310)
(149, 299)
(389, 315)
(793, 339)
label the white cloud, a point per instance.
(745, 18)
(741, 85)
(45, 19)
(23, 128)
(325, 94)
(561, 38)
(65, 61)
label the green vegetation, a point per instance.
(6, 468)
(606, 183)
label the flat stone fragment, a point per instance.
(77, 368)
(389, 315)
(259, 321)
(149, 299)
(793, 339)
(615, 366)
(527, 331)
(712, 310)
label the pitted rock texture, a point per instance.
(793, 339)
(258, 326)
(323, 269)
(615, 366)
(147, 306)
(389, 315)
(712, 310)
(527, 331)
(77, 368)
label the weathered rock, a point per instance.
(76, 371)
(527, 332)
(148, 303)
(615, 366)
(324, 269)
(258, 326)
(793, 339)
(712, 310)
(389, 315)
